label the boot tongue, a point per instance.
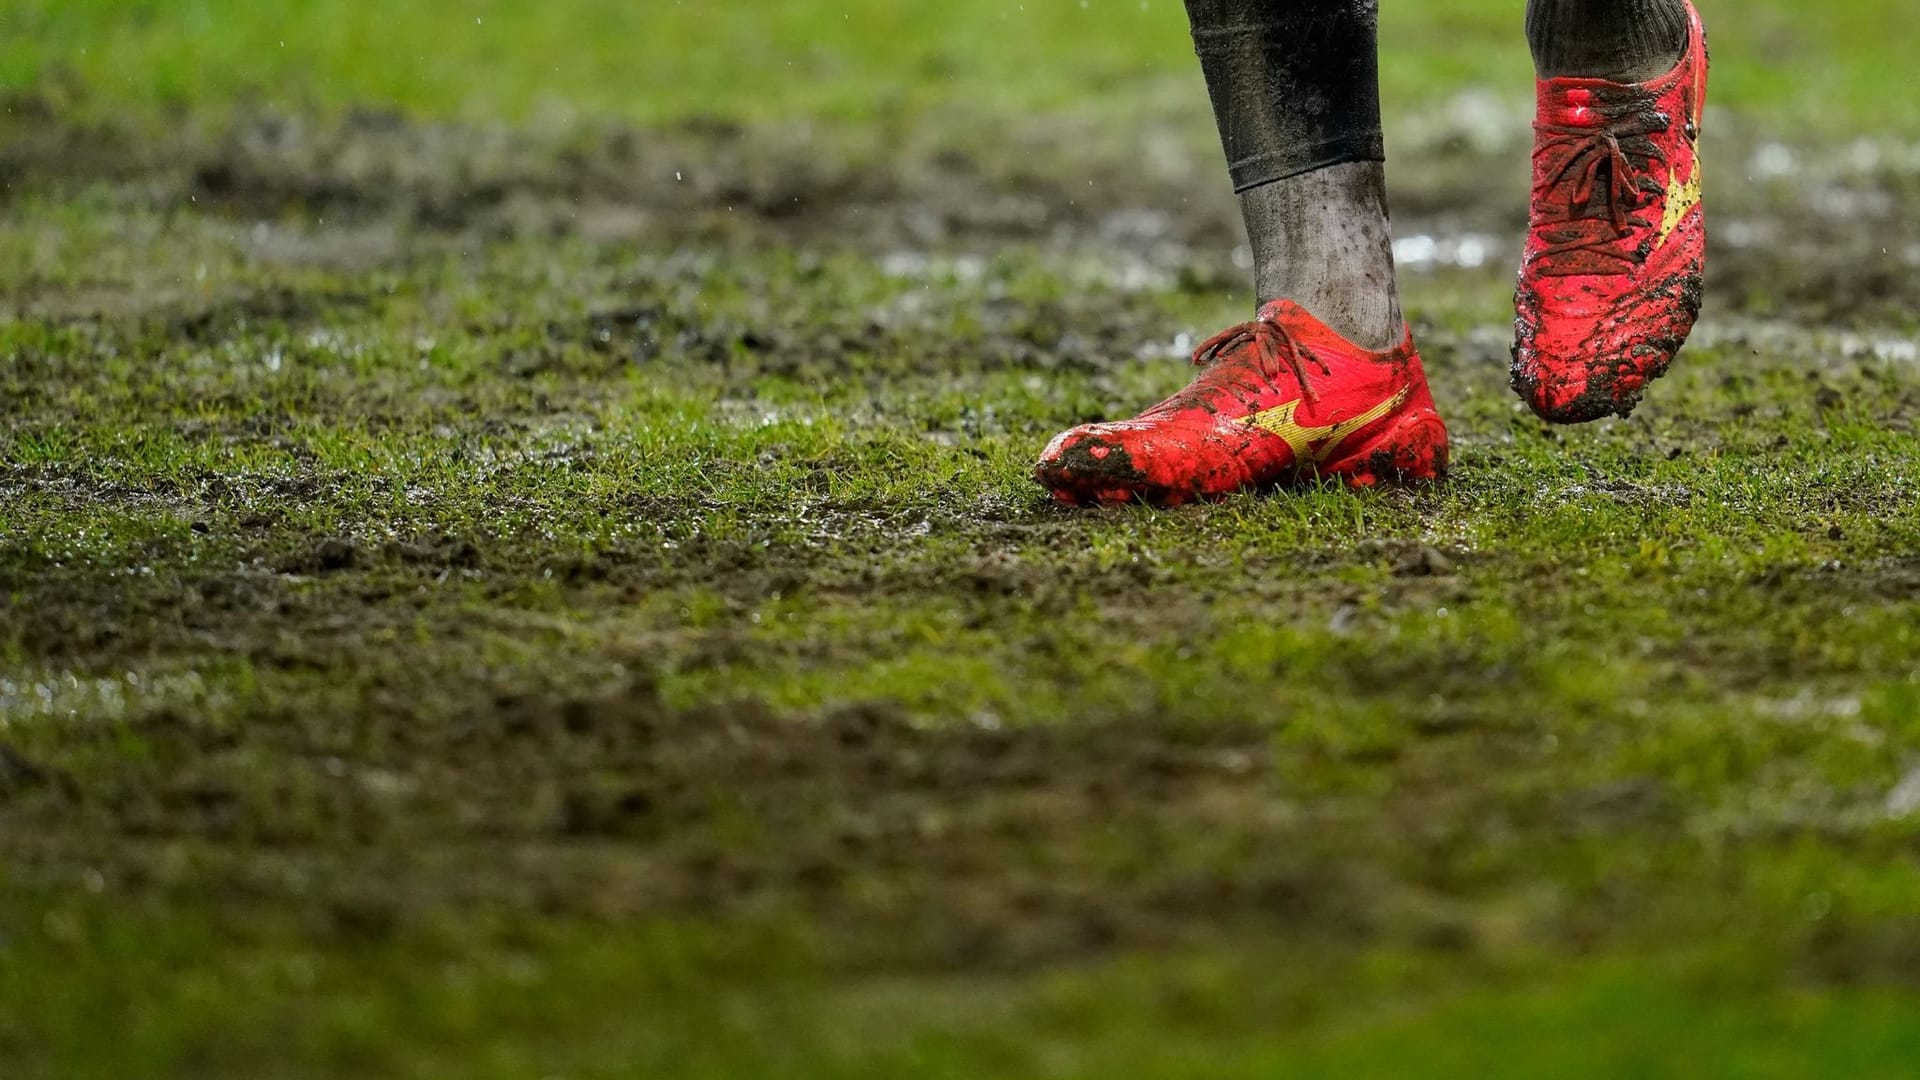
(1585, 103)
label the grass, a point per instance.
(711, 1009)
(853, 60)
(476, 607)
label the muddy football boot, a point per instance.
(1617, 242)
(1279, 399)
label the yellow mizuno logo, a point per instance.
(1681, 199)
(1317, 444)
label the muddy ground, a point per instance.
(402, 521)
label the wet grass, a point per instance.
(470, 613)
(367, 625)
(851, 59)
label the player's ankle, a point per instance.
(1322, 240)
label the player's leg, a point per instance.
(1296, 94)
(1325, 379)
(1610, 283)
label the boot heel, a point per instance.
(1412, 450)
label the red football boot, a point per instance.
(1277, 399)
(1610, 282)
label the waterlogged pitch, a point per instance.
(506, 575)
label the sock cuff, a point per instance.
(1295, 83)
(1624, 40)
(1298, 159)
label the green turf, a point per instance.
(664, 59)
(469, 614)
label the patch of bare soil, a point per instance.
(972, 847)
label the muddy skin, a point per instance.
(1323, 241)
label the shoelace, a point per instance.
(1588, 238)
(1272, 346)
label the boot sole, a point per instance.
(1414, 449)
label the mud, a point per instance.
(981, 847)
(1829, 238)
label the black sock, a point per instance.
(1295, 88)
(1295, 83)
(1619, 40)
